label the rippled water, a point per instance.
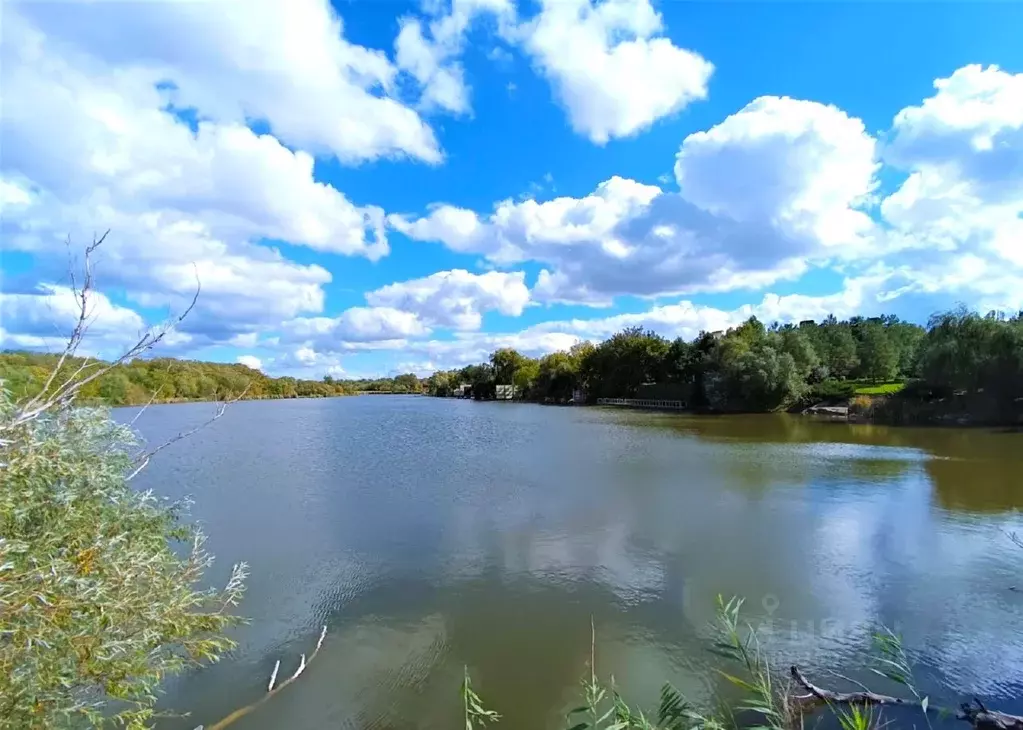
(430, 534)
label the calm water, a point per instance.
(430, 534)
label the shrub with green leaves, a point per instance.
(96, 604)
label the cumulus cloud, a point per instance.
(456, 298)
(766, 193)
(250, 361)
(799, 165)
(306, 363)
(430, 52)
(90, 143)
(288, 64)
(45, 318)
(357, 328)
(608, 65)
(865, 295)
(609, 68)
(958, 214)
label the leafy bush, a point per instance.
(831, 390)
(96, 607)
(861, 405)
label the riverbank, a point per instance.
(896, 409)
(100, 402)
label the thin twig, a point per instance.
(143, 408)
(82, 299)
(271, 690)
(66, 392)
(142, 460)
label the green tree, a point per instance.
(680, 361)
(440, 384)
(906, 338)
(797, 344)
(619, 365)
(114, 387)
(96, 604)
(98, 601)
(840, 350)
(557, 376)
(406, 383)
(763, 379)
(505, 363)
(525, 377)
(969, 352)
(878, 355)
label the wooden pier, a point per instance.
(660, 405)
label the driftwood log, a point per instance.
(974, 713)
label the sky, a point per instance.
(370, 187)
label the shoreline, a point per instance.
(181, 401)
(833, 413)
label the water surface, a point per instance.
(430, 534)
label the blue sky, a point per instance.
(375, 187)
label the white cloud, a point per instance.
(957, 216)
(428, 62)
(798, 165)
(773, 189)
(44, 320)
(870, 294)
(286, 63)
(607, 64)
(89, 145)
(609, 70)
(368, 324)
(357, 328)
(305, 363)
(972, 127)
(431, 58)
(456, 298)
(250, 361)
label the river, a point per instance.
(430, 534)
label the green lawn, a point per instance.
(865, 388)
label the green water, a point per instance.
(429, 534)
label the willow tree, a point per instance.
(98, 603)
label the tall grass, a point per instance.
(768, 700)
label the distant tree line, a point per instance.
(405, 383)
(753, 367)
(169, 379)
(172, 380)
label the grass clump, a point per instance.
(880, 388)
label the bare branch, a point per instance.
(271, 690)
(81, 325)
(273, 676)
(143, 408)
(64, 393)
(142, 460)
(975, 714)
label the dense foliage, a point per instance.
(135, 382)
(756, 368)
(97, 602)
(405, 383)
